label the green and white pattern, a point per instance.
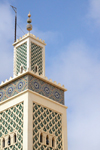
(36, 58)
(12, 120)
(21, 57)
(48, 121)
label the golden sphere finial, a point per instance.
(29, 26)
(29, 15)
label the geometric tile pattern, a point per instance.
(34, 84)
(46, 89)
(36, 58)
(21, 57)
(11, 120)
(13, 88)
(48, 121)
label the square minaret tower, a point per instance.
(32, 110)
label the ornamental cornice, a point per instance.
(41, 77)
(31, 36)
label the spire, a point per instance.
(29, 26)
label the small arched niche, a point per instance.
(36, 69)
(41, 137)
(15, 138)
(47, 140)
(3, 142)
(53, 142)
(9, 140)
(21, 68)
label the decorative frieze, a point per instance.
(34, 84)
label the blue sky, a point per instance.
(71, 30)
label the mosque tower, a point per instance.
(32, 110)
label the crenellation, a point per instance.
(2, 82)
(46, 78)
(43, 41)
(15, 76)
(34, 36)
(31, 82)
(31, 35)
(36, 74)
(55, 82)
(50, 80)
(10, 78)
(6, 80)
(59, 84)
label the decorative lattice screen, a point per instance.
(48, 121)
(12, 120)
(21, 57)
(36, 58)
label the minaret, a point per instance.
(32, 110)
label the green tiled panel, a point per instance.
(12, 121)
(48, 121)
(36, 58)
(21, 57)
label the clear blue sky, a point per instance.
(71, 30)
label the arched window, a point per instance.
(53, 142)
(35, 69)
(3, 142)
(41, 137)
(21, 68)
(9, 140)
(47, 140)
(15, 138)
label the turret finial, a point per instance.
(29, 26)
(29, 15)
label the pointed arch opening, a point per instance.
(9, 140)
(36, 69)
(53, 142)
(3, 142)
(47, 140)
(41, 137)
(15, 138)
(21, 68)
